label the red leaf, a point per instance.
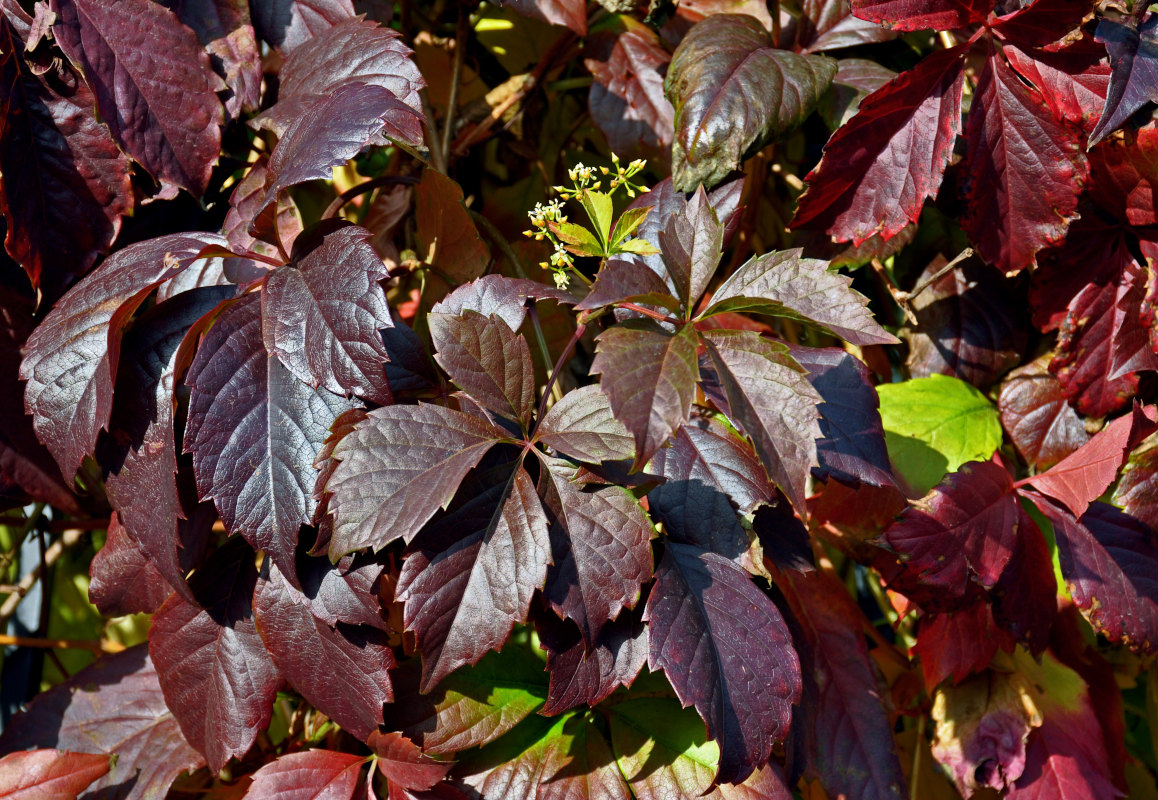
(957, 644)
(915, 15)
(1020, 197)
(1025, 598)
(1034, 412)
(830, 25)
(1065, 760)
(226, 33)
(585, 676)
(49, 774)
(404, 764)
(309, 775)
(879, 168)
(1073, 81)
(582, 427)
(306, 19)
(143, 82)
(1137, 489)
(122, 579)
(1124, 175)
(572, 13)
(1041, 22)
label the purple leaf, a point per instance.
(225, 31)
(1034, 412)
(346, 592)
(770, 400)
(397, 468)
(1134, 59)
(287, 24)
(712, 631)
(71, 359)
(582, 427)
(153, 84)
(405, 766)
(830, 25)
(214, 670)
(491, 296)
(582, 676)
(114, 705)
(784, 284)
(649, 376)
(122, 580)
(308, 775)
(622, 280)
(691, 245)
(321, 316)
(1025, 597)
(246, 408)
(572, 13)
(310, 653)
(472, 575)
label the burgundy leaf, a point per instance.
(1034, 412)
(112, 706)
(965, 527)
(711, 631)
(1133, 49)
(472, 575)
(213, 668)
(601, 551)
(310, 654)
(856, 78)
(852, 447)
(1041, 22)
(488, 361)
(848, 735)
(770, 399)
(287, 24)
(61, 169)
(582, 676)
(397, 468)
(308, 775)
(1024, 170)
(970, 324)
(346, 592)
(446, 232)
(830, 25)
(878, 169)
(782, 536)
(210, 271)
(71, 359)
(153, 84)
(1136, 489)
(226, 33)
(322, 313)
(250, 224)
(246, 408)
(582, 427)
(122, 579)
(490, 295)
(404, 764)
(691, 244)
(1124, 176)
(959, 643)
(571, 13)
(1025, 597)
(649, 375)
(49, 774)
(1073, 81)
(623, 279)
(1064, 758)
(732, 90)
(915, 15)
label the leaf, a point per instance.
(649, 377)
(492, 296)
(959, 643)
(226, 33)
(1134, 493)
(852, 444)
(49, 774)
(934, 425)
(1083, 476)
(71, 358)
(1073, 81)
(785, 284)
(711, 630)
(246, 408)
(1124, 173)
(1133, 49)
(601, 551)
(582, 427)
(310, 653)
(965, 528)
(1034, 412)
(586, 676)
(399, 466)
(830, 25)
(122, 579)
(488, 361)
(307, 775)
(1019, 198)
(61, 169)
(1042, 22)
(346, 592)
(112, 706)
(571, 13)
(1025, 598)
(472, 574)
(622, 280)
(322, 313)
(878, 170)
(404, 764)
(144, 83)
(287, 24)
(447, 236)
(916, 15)
(214, 670)
(970, 324)
(772, 402)
(848, 736)
(856, 78)
(691, 245)
(732, 91)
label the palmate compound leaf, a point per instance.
(582, 426)
(397, 468)
(342, 671)
(649, 376)
(71, 358)
(246, 408)
(1134, 59)
(690, 245)
(1041, 22)
(848, 736)
(771, 401)
(879, 168)
(216, 674)
(1034, 412)
(112, 706)
(308, 775)
(1024, 170)
(153, 84)
(785, 284)
(321, 315)
(916, 15)
(472, 574)
(733, 90)
(49, 774)
(287, 24)
(725, 650)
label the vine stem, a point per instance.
(97, 646)
(460, 35)
(564, 357)
(647, 312)
(362, 188)
(51, 554)
(26, 526)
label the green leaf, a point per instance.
(600, 212)
(581, 241)
(934, 425)
(637, 246)
(627, 223)
(657, 743)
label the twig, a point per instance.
(26, 526)
(925, 284)
(915, 773)
(94, 645)
(460, 35)
(436, 159)
(500, 241)
(563, 358)
(51, 554)
(366, 186)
